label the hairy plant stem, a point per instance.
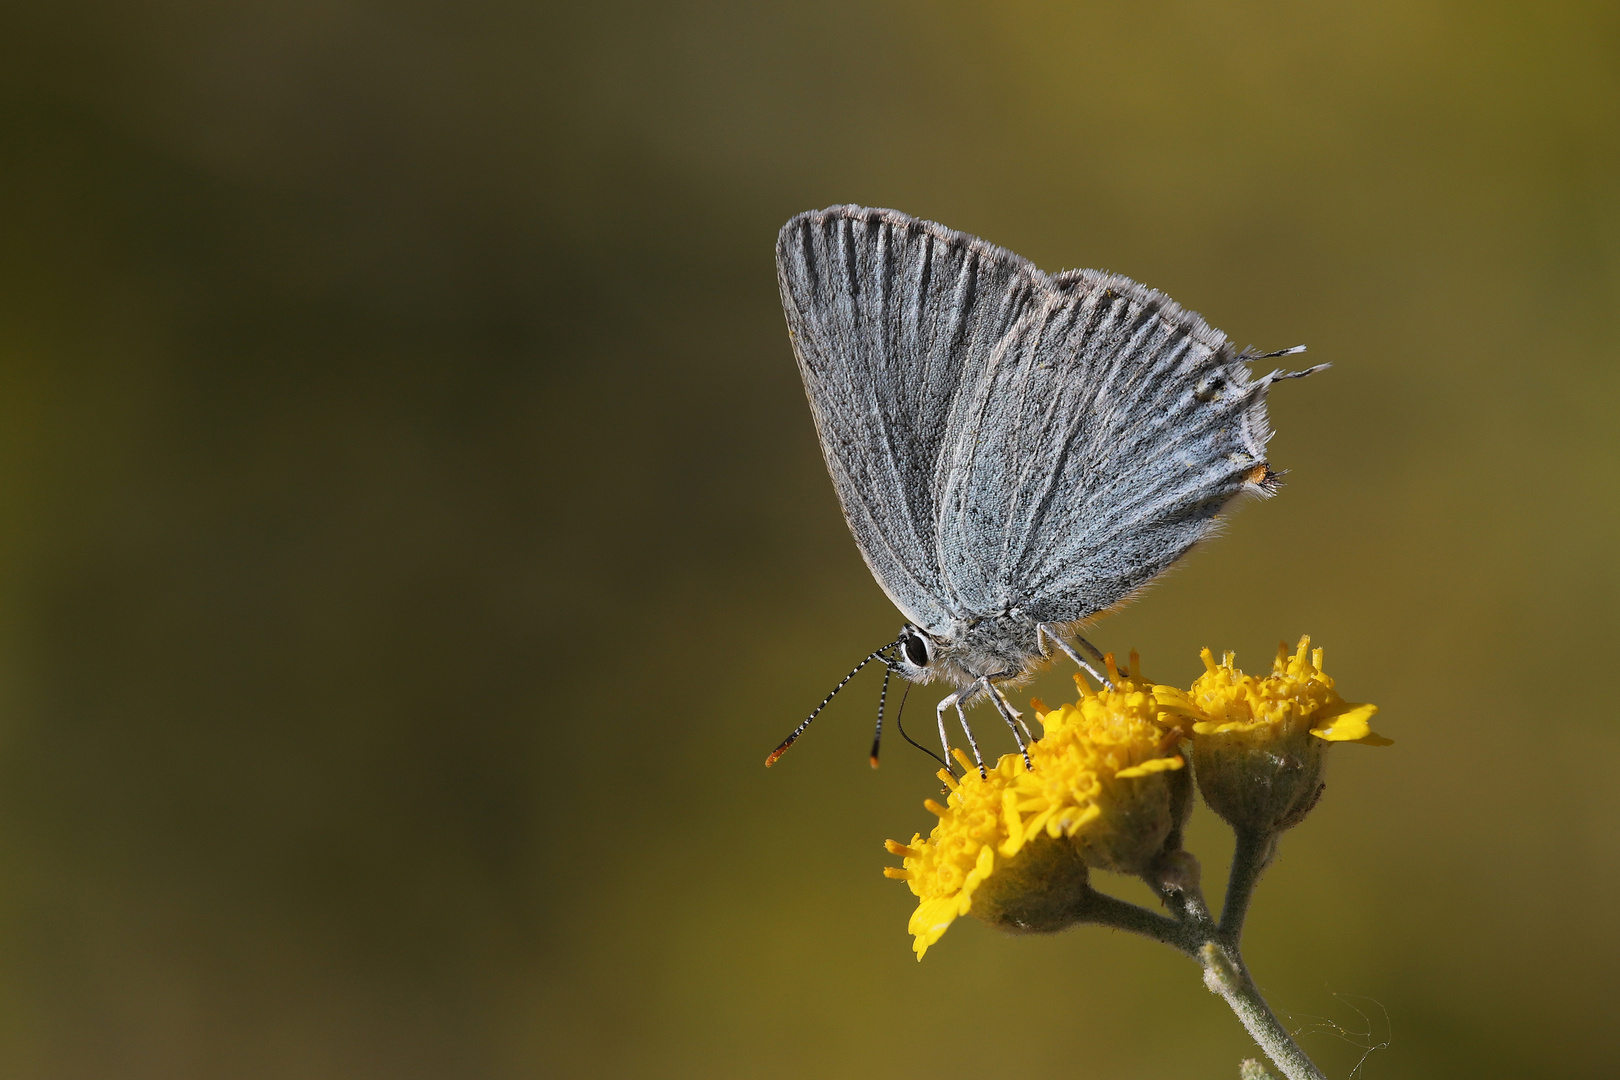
(1190, 929)
(1105, 910)
(1249, 859)
(1225, 975)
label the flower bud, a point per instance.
(1039, 890)
(1104, 790)
(1259, 744)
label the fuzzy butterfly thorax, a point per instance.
(1004, 647)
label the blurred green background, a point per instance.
(413, 536)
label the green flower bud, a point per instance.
(1259, 744)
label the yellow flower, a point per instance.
(1258, 743)
(1104, 790)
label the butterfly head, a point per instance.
(913, 655)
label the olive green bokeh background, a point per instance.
(412, 533)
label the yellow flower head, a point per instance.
(1104, 790)
(1258, 742)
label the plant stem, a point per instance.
(1193, 931)
(1104, 910)
(1249, 859)
(1225, 974)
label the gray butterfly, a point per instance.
(1015, 452)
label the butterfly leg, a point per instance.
(954, 701)
(944, 738)
(978, 759)
(1072, 655)
(1015, 720)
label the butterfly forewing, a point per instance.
(890, 318)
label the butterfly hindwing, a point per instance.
(1103, 438)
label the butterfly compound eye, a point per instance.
(916, 648)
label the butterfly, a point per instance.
(1015, 452)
